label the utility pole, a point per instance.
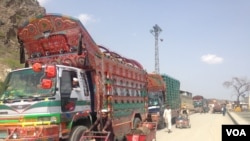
(156, 31)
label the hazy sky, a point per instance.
(205, 42)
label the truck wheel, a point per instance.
(77, 132)
(121, 138)
(161, 124)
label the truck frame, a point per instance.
(38, 103)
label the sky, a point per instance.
(202, 43)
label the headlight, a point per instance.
(14, 136)
(53, 119)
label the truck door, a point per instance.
(74, 87)
(68, 103)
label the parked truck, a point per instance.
(172, 94)
(200, 104)
(163, 90)
(156, 97)
(38, 103)
(187, 100)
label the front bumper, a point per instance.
(30, 133)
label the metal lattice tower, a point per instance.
(156, 31)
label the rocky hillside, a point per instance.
(13, 13)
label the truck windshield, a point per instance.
(153, 100)
(25, 84)
(197, 103)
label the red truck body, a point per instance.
(61, 44)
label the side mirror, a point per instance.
(26, 65)
(21, 51)
(37, 67)
(79, 48)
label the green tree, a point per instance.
(241, 87)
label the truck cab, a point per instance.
(41, 97)
(156, 108)
(156, 98)
(155, 103)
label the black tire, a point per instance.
(120, 138)
(136, 122)
(161, 123)
(77, 132)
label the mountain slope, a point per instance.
(13, 13)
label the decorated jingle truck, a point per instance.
(38, 102)
(172, 95)
(156, 98)
(200, 104)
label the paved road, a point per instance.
(205, 127)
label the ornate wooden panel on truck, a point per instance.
(68, 79)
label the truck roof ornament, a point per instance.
(50, 71)
(37, 67)
(46, 83)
